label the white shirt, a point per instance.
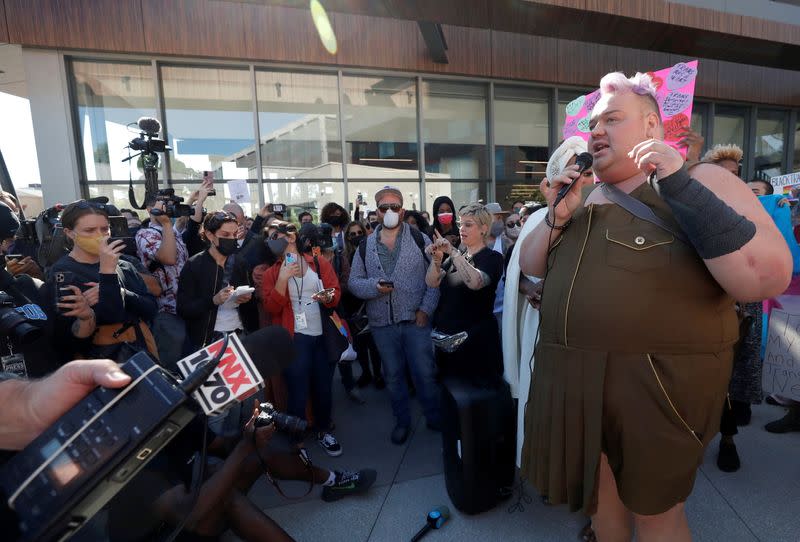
(228, 317)
(306, 286)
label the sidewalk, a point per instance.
(758, 503)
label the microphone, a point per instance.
(241, 369)
(584, 162)
(149, 125)
(436, 518)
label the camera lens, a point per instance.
(13, 324)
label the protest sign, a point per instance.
(675, 93)
(783, 184)
(781, 372)
(239, 191)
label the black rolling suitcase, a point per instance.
(479, 444)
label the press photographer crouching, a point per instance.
(102, 305)
(22, 321)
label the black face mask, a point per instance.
(374, 225)
(227, 246)
(355, 241)
(277, 246)
(337, 220)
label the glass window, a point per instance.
(109, 97)
(454, 129)
(770, 136)
(521, 134)
(461, 192)
(729, 125)
(209, 117)
(298, 117)
(380, 125)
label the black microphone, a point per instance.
(584, 162)
(149, 125)
(436, 518)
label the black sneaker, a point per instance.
(349, 483)
(728, 457)
(329, 444)
(790, 422)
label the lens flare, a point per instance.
(324, 28)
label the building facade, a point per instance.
(463, 98)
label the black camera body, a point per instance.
(173, 205)
(15, 325)
(104, 450)
(285, 423)
(148, 143)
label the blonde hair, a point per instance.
(720, 153)
(478, 212)
(640, 84)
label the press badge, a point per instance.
(300, 322)
(14, 364)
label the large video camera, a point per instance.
(173, 205)
(14, 324)
(148, 145)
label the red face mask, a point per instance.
(445, 218)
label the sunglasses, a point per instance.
(512, 224)
(386, 206)
(353, 234)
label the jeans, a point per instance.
(169, 332)
(312, 371)
(408, 345)
(346, 372)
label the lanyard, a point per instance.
(299, 289)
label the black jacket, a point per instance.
(200, 280)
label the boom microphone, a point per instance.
(436, 518)
(584, 162)
(149, 125)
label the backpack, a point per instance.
(418, 239)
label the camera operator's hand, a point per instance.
(30, 407)
(92, 295)
(264, 211)
(76, 305)
(223, 295)
(257, 437)
(290, 270)
(202, 193)
(109, 256)
(162, 218)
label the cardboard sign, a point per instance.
(234, 380)
(783, 184)
(781, 372)
(675, 95)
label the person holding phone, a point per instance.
(289, 291)
(119, 305)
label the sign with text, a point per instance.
(781, 372)
(234, 380)
(239, 191)
(674, 93)
(783, 184)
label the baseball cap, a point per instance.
(388, 190)
(9, 222)
(495, 209)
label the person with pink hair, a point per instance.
(638, 320)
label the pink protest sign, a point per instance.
(675, 94)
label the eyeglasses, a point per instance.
(386, 206)
(512, 224)
(352, 234)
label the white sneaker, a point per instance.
(329, 444)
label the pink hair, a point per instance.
(641, 84)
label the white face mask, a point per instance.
(391, 219)
(513, 233)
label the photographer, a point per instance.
(23, 353)
(164, 254)
(210, 306)
(191, 236)
(101, 301)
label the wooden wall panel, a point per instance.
(630, 61)
(576, 4)
(377, 42)
(707, 74)
(521, 56)
(650, 10)
(748, 83)
(79, 24)
(468, 51)
(456, 12)
(584, 63)
(771, 30)
(3, 26)
(274, 33)
(705, 19)
(194, 27)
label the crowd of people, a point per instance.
(557, 299)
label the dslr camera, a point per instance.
(173, 205)
(14, 324)
(285, 423)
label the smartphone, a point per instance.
(209, 176)
(118, 226)
(63, 279)
(10, 257)
(388, 283)
(130, 244)
(290, 258)
(323, 293)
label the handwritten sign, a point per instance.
(784, 183)
(239, 191)
(675, 94)
(781, 372)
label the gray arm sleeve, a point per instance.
(714, 228)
